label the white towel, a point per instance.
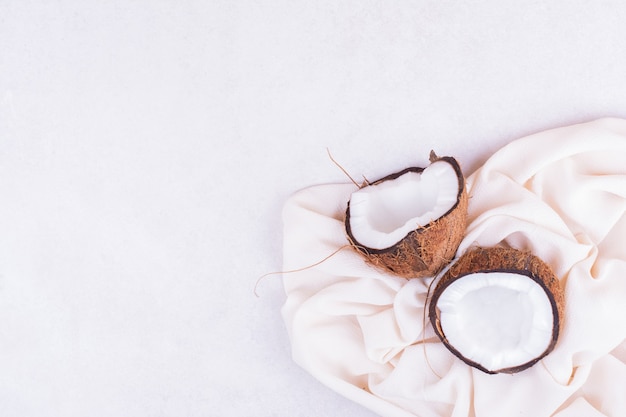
(561, 194)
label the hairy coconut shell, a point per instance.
(427, 250)
(502, 259)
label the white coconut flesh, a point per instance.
(383, 214)
(498, 319)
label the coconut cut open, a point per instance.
(410, 222)
(498, 309)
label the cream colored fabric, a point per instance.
(561, 194)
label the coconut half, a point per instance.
(498, 309)
(411, 222)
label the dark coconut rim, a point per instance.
(552, 297)
(433, 158)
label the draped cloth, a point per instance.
(560, 194)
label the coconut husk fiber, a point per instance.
(426, 250)
(502, 259)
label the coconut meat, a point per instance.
(383, 214)
(496, 319)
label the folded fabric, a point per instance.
(560, 194)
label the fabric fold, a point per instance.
(560, 194)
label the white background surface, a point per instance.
(147, 147)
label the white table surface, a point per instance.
(147, 148)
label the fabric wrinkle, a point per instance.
(354, 326)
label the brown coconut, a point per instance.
(507, 260)
(426, 250)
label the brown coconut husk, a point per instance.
(502, 259)
(427, 250)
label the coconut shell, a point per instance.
(502, 259)
(427, 250)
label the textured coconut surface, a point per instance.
(427, 250)
(508, 261)
(147, 149)
(383, 213)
